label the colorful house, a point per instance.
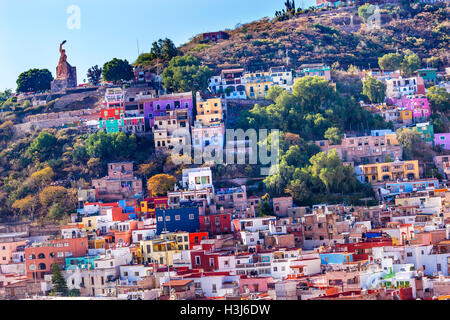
(336, 258)
(183, 218)
(388, 171)
(418, 105)
(41, 257)
(257, 84)
(426, 132)
(195, 238)
(412, 186)
(429, 75)
(210, 111)
(442, 140)
(161, 105)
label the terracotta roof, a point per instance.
(177, 283)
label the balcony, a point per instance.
(253, 265)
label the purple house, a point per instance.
(162, 105)
(418, 105)
(443, 140)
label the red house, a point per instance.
(215, 36)
(195, 238)
(113, 113)
(208, 261)
(215, 223)
(362, 250)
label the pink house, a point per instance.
(418, 105)
(443, 140)
(255, 284)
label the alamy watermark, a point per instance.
(74, 20)
(238, 147)
(374, 20)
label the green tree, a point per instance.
(58, 281)
(314, 93)
(117, 70)
(44, 146)
(334, 135)
(439, 99)
(374, 89)
(185, 73)
(274, 92)
(411, 62)
(144, 59)
(74, 293)
(5, 95)
(264, 209)
(94, 75)
(364, 12)
(391, 61)
(411, 142)
(34, 80)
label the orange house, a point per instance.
(405, 116)
(40, 258)
(118, 214)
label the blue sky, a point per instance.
(33, 29)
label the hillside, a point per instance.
(328, 36)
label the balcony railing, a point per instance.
(253, 265)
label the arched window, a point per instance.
(32, 267)
(41, 256)
(52, 254)
(42, 266)
(31, 256)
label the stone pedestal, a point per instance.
(61, 84)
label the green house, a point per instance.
(429, 75)
(81, 262)
(426, 132)
(111, 126)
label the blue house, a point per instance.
(336, 257)
(183, 218)
(411, 186)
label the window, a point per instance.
(439, 267)
(211, 262)
(197, 260)
(191, 216)
(168, 218)
(177, 217)
(160, 219)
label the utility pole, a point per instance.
(167, 254)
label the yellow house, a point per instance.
(89, 224)
(257, 84)
(391, 139)
(388, 171)
(405, 116)
(210, 111)
(99, 243)
(160, 250)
